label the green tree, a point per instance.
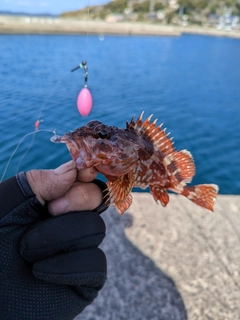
(141, 6)
(191, 5)
(116, 6)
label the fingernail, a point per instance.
(58, 206)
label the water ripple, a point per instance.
(195, 92)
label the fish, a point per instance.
(141, 155)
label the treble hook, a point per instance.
(85, 68)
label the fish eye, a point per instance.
(103, 134)
(93, 124)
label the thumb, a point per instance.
(51, 184)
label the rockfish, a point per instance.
(142, 155)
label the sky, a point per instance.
(47, 6)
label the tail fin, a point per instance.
(203, 195)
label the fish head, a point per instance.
(107, 148)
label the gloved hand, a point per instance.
(50, 267)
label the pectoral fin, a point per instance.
(119, 191)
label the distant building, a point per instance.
(226, 21)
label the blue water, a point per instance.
(191, 83)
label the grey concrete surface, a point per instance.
(166, 262)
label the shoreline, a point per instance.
(40, 25)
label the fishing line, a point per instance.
(30, 146)
(84, 104)
(32, 133)
(50, 95)
(38, 122)
(26, 135)
(88, 18)
(26, 152)
(84, 99)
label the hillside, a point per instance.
(177, 12)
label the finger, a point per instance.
(87, 175)
(51, 184)
(68, 232)
(86, 268)
(81, 196)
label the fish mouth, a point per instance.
(68, 138)
(64, 139)
(56, 139)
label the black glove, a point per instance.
(50, 267)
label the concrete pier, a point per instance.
(50, 25)
(166, 262)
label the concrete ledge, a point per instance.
(35, 25)
(149, 245)
(40, 25)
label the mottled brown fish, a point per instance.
(141, 155)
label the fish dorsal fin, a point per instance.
(158, 136)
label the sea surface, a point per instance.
(190, 83)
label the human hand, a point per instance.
(50, 267)
(66, 189)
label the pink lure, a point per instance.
(84, 102)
